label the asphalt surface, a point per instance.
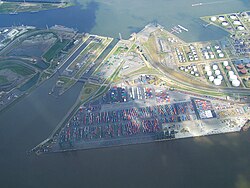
(75, 54)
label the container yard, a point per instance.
(92, 123)
(143, 95)
(106, 123)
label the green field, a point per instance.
(15, 67)
(44, 76)
(88, 91)
(55, 49)
(16, 7)
(120, 50)
(66, 83)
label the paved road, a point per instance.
(99, 60)
(73, 56)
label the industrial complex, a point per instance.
(152, 87)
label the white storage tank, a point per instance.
(230, 73)
(225, 63)
(217, 82)
(221, 55)
(217, 72)
(217, 47)
(233, 17)
(218, 51)
(240, 27)
(220, 77)
(222, 18)
(225, 23)
(215, 67)
(237, 22)
(233, 77)
(207, 68)
(236, 83)
(213, 18)
(211, 78)
(209, 73)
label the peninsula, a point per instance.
(152, 87)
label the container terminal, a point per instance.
(153, 87)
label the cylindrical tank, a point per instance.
(213, 18)
(207, 68)
(209, 73)
(236, 83)
(220, 77)
(222, 18)
(218, 51)
(225, 23)
(221, 55)
(217, 72)
(240, 27)
(225, 63)
(211, 78)
(233, 17)
(230, 73)
(215, 67)
(217, 47)
(237, 22)
(233, 77)
(217, 82)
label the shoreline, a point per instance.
(146, 122)
(15, 7)
(135, 143)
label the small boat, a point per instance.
(197, 4)
(183, 28)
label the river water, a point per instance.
(216, 161)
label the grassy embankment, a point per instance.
(16, 7)
(55, 49)
(16, 67)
